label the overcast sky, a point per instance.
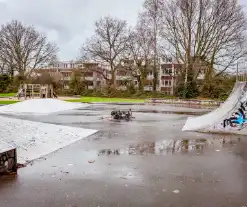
(69, 22)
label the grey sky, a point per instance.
(69, 22)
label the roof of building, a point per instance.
(4, 147)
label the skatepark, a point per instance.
(220, 120)
(148, 161)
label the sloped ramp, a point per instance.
(34, 140)
(214, 121)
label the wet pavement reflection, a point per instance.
(174, 146)
(146, 162)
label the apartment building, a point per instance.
(91, 72)
(95, 74)
(168, 77)
(124, 75)
(167, 72)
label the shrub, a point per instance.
(5, 83)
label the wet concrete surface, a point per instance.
(145, 162)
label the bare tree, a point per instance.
(140, 47)
(43, 78)
(23, 49)
(101, 69)
(152, 19)
(107, 44)
(3, 69)
(77, 82)
(212, 31)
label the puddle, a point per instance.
(147, 111)
(193, 106)
(170, 112)
(80, 114)
(173, 146)
(163, 109)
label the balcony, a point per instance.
(148, 88)
(201, 77)
(89, 78)
(166, 74)
(98, 79)
(90, 87)
(67, 78)
(123, 77)
(166, 83)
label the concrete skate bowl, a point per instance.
(228, 118)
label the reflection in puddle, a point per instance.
(80, 114)
(173, 146)
(171, 112)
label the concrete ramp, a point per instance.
(228, 118)
(34, 140)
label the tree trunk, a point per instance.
(140, 83)
(155, 80)
(113, 79)
(22, 76)
(155, 73)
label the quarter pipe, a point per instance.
(228, 118)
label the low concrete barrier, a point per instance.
(185, 101)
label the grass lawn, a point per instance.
(7, 102)
(88, 100)
(7, 94)
(109, 100)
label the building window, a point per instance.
(167, 71)
(166, 82)
(55, 66)
(169, 59)
(90, 83)
(66, 74)
(65, 65)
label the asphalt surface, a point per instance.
(145, 162)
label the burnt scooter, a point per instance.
(121, 115)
